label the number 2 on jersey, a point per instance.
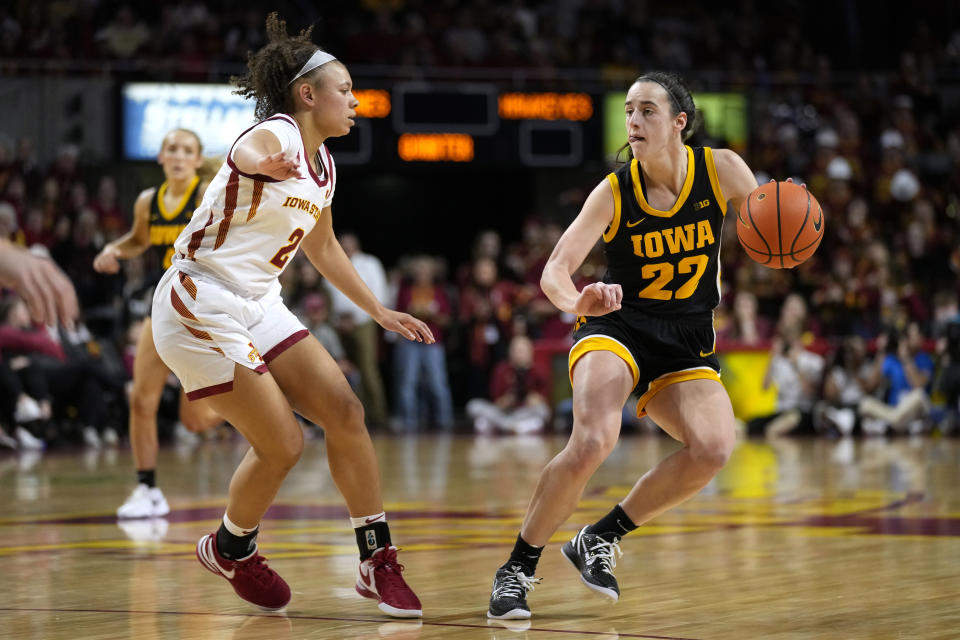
(281, 257)
(656, 291)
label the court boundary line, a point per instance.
(337, 619)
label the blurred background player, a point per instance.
(159, 215)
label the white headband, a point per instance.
(318, 58)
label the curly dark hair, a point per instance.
(270, 69)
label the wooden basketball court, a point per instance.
(794, 539)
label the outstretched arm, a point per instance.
(262, 153)
(326, 254)
(598, 298)
(133, 242)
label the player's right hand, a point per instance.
(278, 167)
(598, 299)
(107, 260)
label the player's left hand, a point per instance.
(407, 326)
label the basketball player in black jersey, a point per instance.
(647, 327)
(159, 214)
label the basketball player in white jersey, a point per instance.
(159, 214)
(220, 324)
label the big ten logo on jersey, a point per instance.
(303, 205)
(254, 355)
(701, 205)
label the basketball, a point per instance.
(780, 225)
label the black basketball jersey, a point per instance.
(165, 225)
(667, 262)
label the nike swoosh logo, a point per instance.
(365, 576)
(819, 221)
(633, 224)
(369, 520)
(704, 355)
(229, 574)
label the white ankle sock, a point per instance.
(236, 529)
(363, 521)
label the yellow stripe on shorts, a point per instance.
(602, 343)
(667, 379)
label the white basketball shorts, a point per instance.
(201, 330)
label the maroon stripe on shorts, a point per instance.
(203, 335)
(285, 344)
(179, 306)
(188, 284)
(223, 387)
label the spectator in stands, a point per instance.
(486, 308)
(363, 332)
(797, 374)
(948, 385)
(111, 216)
(18, 409)
(9, 229)
(844, 387)
(123, 36)
(518, 395)
(905, 371)
(745, 327)
(419, 363)
(316, 317)
(48, 376)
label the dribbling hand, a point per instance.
(598, 299)
(278, 167)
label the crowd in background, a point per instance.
(862, 336)
(192, 39)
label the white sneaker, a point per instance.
(7, 441)
(27, 410)
(91, 438)
(110, 437)
(144, 502)
(29, 441)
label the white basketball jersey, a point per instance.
(249, 226)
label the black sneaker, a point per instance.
(508, 599)
(595, 559)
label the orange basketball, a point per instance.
(780, 225)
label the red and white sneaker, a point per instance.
(379, 578)
(250, 577)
